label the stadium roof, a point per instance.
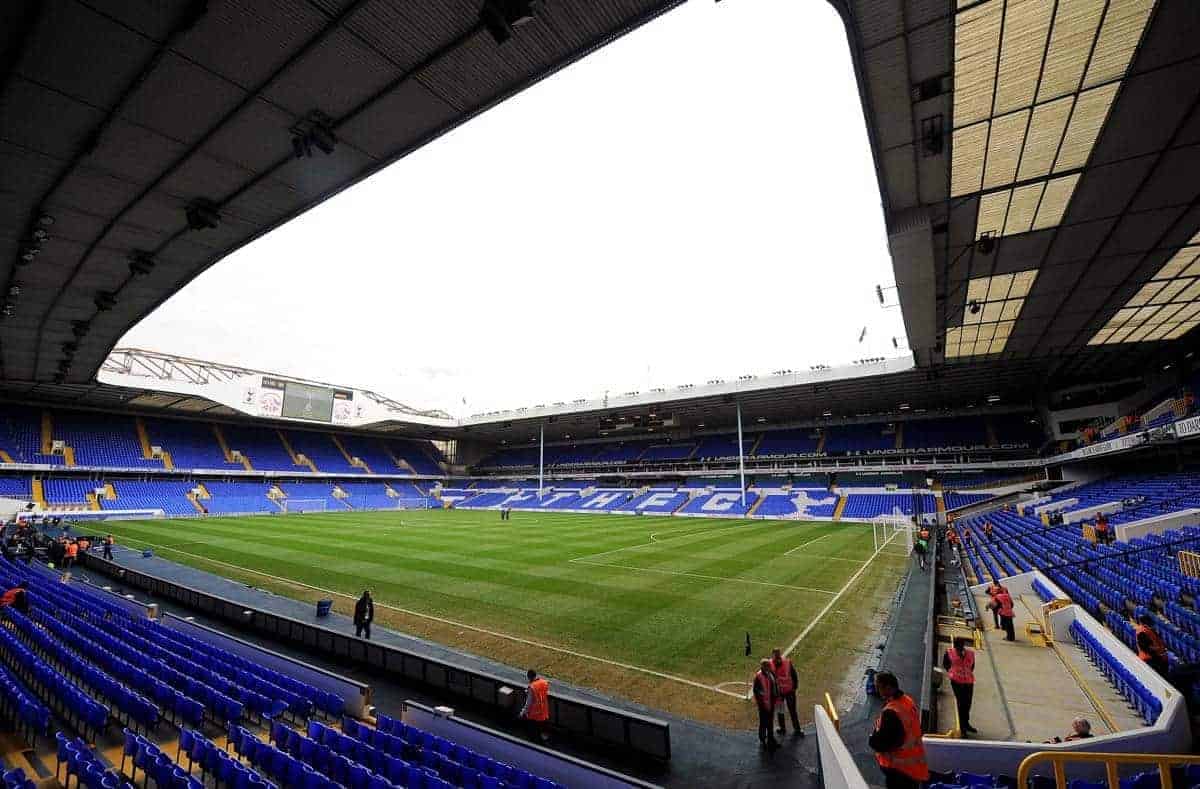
(879, 391)
(126, 127)
(1064, 136)
(1038, 165)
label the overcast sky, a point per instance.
(695, 200)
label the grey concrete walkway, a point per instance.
(1029, 692)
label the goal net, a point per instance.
(420, 503)
(893, 534)
(303, 505)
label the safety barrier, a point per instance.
(1111, 761)
(838, 769)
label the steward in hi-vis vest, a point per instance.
(1151, 649)
(786, 681)
(897, 740)
(959, 663)
(537, 704)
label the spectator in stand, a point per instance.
(987, 530)
(766, 691)
(1002, 604)
(897, 740)
(786, 682)
(16, 598)
(1150, 647)
(1081, 729)
(364, 615)
(70, 554)
(959, 663)
(56, 552)
(537, 705)
(1104, 534)
(952, 537)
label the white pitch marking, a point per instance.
(806, 544)
(453, 623)
(705, 577)
(829, 606)
(668, 539)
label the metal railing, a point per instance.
(1111, 761)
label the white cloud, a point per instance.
(695, 200)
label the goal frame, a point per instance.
(312, 505)
(885, 528)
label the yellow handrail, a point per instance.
(833, 716)
(1110, 762)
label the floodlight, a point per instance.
(323, 137)
(202, 215)
(501, 17)
(140, 264)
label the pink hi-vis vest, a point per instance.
(783, 676)
(962, 667)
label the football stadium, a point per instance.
(971, 561)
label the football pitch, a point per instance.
(651, 609)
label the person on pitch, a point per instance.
(786, 681)
(766, 691)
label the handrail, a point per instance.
(1110, 762)
(833, 715)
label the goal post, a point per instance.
(303, 505)
(415, 503)
(892, 533)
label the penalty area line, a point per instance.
(704, 577)
(806, 544)
(517, 639)
(653, 541)
(829, 606)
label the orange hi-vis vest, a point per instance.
(765, 700)
(962, 667)
(9, 597)
(783, 676)
(1159, 649)
(72, 550)
(909, 758)
(1005, 602)
(539, 700)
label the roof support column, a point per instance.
(741, 453)
(541, 458)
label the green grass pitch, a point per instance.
(650, 608)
